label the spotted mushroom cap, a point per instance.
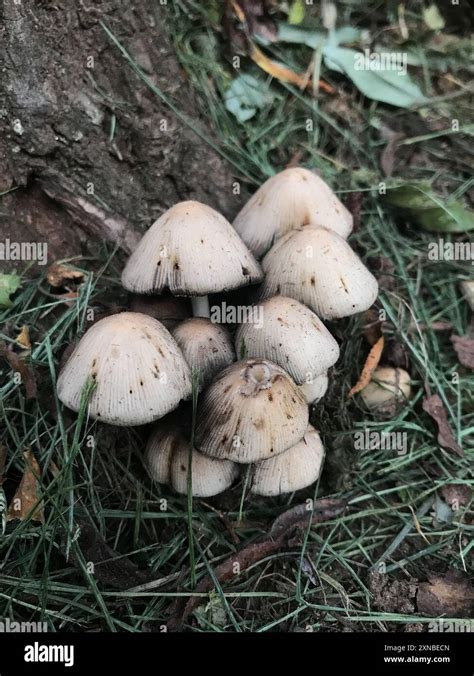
(292, 470)
(192, 250)
(139, 371)
(318, 267)
(251, 411)
(288, 200)
(290, 335)
(167, 461)
(206, 346)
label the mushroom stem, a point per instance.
(200, 306)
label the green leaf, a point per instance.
(297, 12)
(8, 285)
(431, 212)
(245, 96)
(316, 38)
(433, 18)
(392, 86)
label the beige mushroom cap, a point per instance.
(139, 371)
(387, 390)
(288, 200)
(192, 250)
(167, 460)
(251, 411)
(296, 468)
(467, 288)
(315, 390)
(207, 347)
(291, 336)
(319, 268)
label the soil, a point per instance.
(88, 149)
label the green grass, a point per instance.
(324, 583)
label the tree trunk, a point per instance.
(87, 149)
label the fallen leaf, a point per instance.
(283, 73)
(464, 347)
(387, 156)
(296, 13)
(430, 211)
(26, 503)
(370, 365)
(18, 364)
(23, 338)
(433, 18)
(8, 285)
(372, 326)
(254, 15)
(451, 595)
(456, 495)
(60, 275)
(435, 408)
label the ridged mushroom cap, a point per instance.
(207, 347)
(296, 468)
(315, 390)
(319, 268)
(251, 411)
(290, 335)
(192, 250)
(167, 460)
(387, 389)
(288, 200)
(140, 372)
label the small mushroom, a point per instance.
(167, 461)
(194, 251)
(291, 336)
(139, 371)
(286, 201)
(388, 389)
(318, 267)
(253, 410)
(207, 347)
(315, 389)
(296, 468)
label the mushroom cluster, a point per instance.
(253, 385)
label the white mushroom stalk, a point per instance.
(296, 468)
(167, 461)
(139, 371)
(318, 267)
(192, 250)
(289, 200)
(289, 334)
(251, 411)
(315, 389)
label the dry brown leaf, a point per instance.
(451, 595)
(435, 408)
(26, 503)
(370, 365)
(464, 347)
(387, 157)
(23, 338)
(17, 364)
(283, 73)
(456, 495)
(372, 327)
(59, 275)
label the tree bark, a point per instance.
(87, 149)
